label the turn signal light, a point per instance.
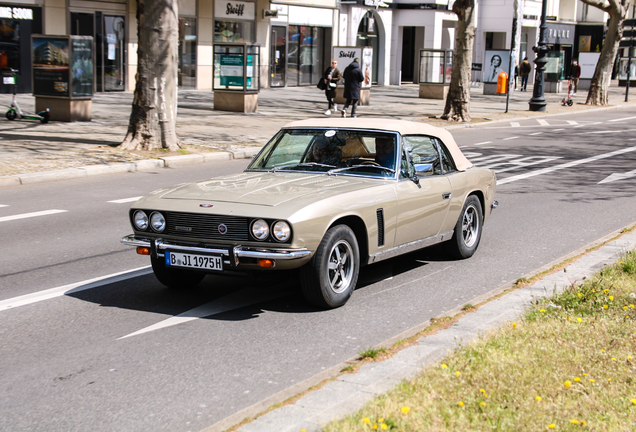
(143, 250)
(265, 263)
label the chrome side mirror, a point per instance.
(424, 169)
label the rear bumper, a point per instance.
(231, 254)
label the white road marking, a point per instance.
(536, 133)
(607, 131)
(557, 130)
(563, 166)
(125, 200)
(510, 138)
(543, 122)
(572, 122)
(515, 124)
(4, 205)
(618, 176)
(589, 124)
(482, 143)
(72, 288)
(28, 215)
(523, 162)
(236, 300)
(621, 119)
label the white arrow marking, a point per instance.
(125, 200)
(236, 300)
(618, 176)
(28, 215)
(563, 166)
(543, 122)
(72, 288)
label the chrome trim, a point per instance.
(238, 251)
(409, 247)
(495, 204)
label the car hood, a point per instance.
(268, 189)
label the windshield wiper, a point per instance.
(306, 164)
(333, 171)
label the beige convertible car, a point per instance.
(323, 196)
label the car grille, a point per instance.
(193, 225)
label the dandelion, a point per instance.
(514, 325)
(579, 320)
(538, 398)
(605, 291)
(634, 401)
(567, 384)
(405, 410)
(482, 404)
(366, 420)
(592, 380)
(584, 374)
(583, 422)
(631, 306)
(611, 298)
(551, 426)
(609, 379)
(603, 351)
(542, 310)
(444, 366)
(629, 357)
(625, 308)
(458, 373)
(605, 306)
(569, 318)
(573, 421)
(384, 426)
(577, 379)
(578, 294)
(460, 403)
(381, 420)
(375, 426)
(613, 358)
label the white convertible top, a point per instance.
(402, 126)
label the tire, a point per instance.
(45, 117)
(570, 102)
(328, 280)
(467, 233)
(11, 114)
(175, 278)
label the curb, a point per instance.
(121, 167)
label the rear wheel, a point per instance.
(570, 102)
(175, 278)
(11, 114)
(467, 232)
(329, 279)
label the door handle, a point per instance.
(446, 195)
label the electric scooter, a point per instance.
(568, 99)
(14, 111)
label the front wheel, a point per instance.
(329, 279)
(174, 278)
(570, 102)
(467, 232)
(11, 114)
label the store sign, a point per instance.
(16, 13)
(560, 34)
(234, 10)
(270, 13)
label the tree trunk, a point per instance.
(458, 99)
(599, 87)
(152, 123)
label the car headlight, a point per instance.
(157, 222)
(281, 231)
(260, 229)
(140, 219)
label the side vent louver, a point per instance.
(380, 214)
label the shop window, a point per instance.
(234, 31)
(187, 52)
(306, 55)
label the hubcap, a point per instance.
(340, 267)
(470, 226)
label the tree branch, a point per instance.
(605, 7)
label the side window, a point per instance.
(423, 150)
(447, 161)
(406, 167)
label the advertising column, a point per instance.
(345, 56)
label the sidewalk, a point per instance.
(30, 147)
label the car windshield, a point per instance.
(333, 151)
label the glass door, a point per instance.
(278, 56)
(114, 53)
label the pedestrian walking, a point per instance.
(516, 73)
(332, 75)
(524, 70)
(575, 73)
(353, 77)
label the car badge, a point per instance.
(182, 228)
(206, 205)
(223, 229)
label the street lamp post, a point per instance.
(538, 103)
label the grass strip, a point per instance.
(568, 365)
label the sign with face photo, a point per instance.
(495, 62)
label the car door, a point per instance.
(423, 206)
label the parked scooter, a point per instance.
(14, 111)
(568, 99)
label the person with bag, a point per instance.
(524, 71)
(330, 81)
(353, 77)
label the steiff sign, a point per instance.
(236, 10)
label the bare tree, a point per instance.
(599, 87)
(458, 99)
(153, 117)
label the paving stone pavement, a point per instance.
(351, 391)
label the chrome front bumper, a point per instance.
(230, 254)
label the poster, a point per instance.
(231, 70)
(82, 67)
(50, 66)
(588, 61)
(495, 63)
(345, 56)
(367, 67)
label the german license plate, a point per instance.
(202, 262)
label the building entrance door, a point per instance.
(278, 56)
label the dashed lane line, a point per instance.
(536, 133)
(482, 143)
(29, 215)
(4, 205)
(515, 124)
(510, 138)
(125, 200)
(572, 122)
(564, 165)
(621, 119)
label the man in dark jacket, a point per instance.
(575, 74)
(331, 76)
(353, 77)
